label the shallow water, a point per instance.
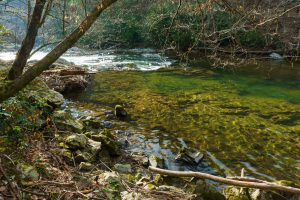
(238, 120)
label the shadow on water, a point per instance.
(238, 119)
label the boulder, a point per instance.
(91, 122)
(76, 141)
(38, 90)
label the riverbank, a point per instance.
(47, 151)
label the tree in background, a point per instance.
(17, 79)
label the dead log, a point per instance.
(241, 183)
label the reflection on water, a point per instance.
(239, 120)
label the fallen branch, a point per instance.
(247, 184)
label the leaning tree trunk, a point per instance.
(16, 85)
(28, 42)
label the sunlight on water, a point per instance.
(238, 120)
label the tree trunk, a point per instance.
(16, 85)
(28, 42)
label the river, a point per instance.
(243, 118)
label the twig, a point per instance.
(30, 184)
(276, 17)
(35, 193)
(263, 186)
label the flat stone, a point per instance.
(190, 156)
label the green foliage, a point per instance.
(21, 116)
(252, 38)
(4, 32)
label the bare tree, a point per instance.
(18, 79)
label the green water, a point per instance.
(238, 120)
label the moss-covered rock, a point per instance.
(65, 122)
(76, 141)
(109, 142)
(120, 111)
(233, 193)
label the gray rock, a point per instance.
(94, 147)
(77, 141)
(276, 56)
(106, 124)
(39, 90)
(190, 156)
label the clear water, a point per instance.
(238, 120)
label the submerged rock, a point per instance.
(77, 141)
(190, 156)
